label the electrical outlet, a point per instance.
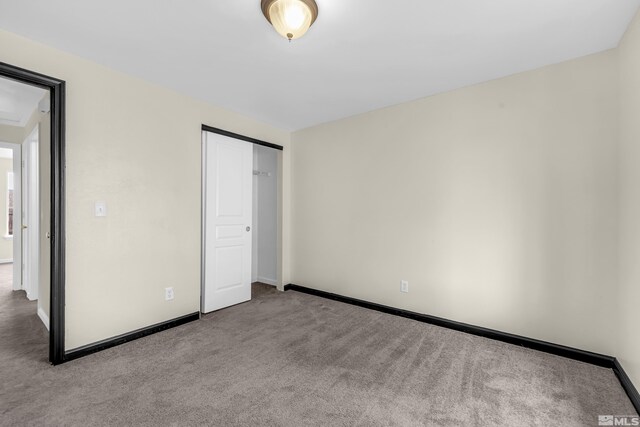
(404, 286)
(168, 294)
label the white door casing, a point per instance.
(30, 215)
(32, 205)
(23, 226)
(227, 192)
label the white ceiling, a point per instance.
(18, 101)
(360, 54)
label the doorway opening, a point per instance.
(241, 218)
(10, 279)
(32, 218)
(24, 129)
(264, 265)
(9, 161)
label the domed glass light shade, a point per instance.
(290, 18)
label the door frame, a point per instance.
(30, 212)
(56, 90)
(223, 132)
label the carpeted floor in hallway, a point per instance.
(291, 359)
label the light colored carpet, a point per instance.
(6, 277)
(259, 289)
(290, 359)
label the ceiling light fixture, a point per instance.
(290, 18)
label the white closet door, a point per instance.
(228, 200)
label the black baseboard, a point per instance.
(628, 386)
(547, 347)
(121, 339)
(544, 346)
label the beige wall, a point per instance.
(629, 295)
(497, 202)
(136, 146)
(6, 245)
(12, 134)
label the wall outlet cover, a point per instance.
(404, 286)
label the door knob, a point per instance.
(248, 228)
(24, 226)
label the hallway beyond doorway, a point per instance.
(24, 338)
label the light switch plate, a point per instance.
(101, 208)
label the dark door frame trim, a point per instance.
(56, 90)
(206, 128)
(203, 184)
